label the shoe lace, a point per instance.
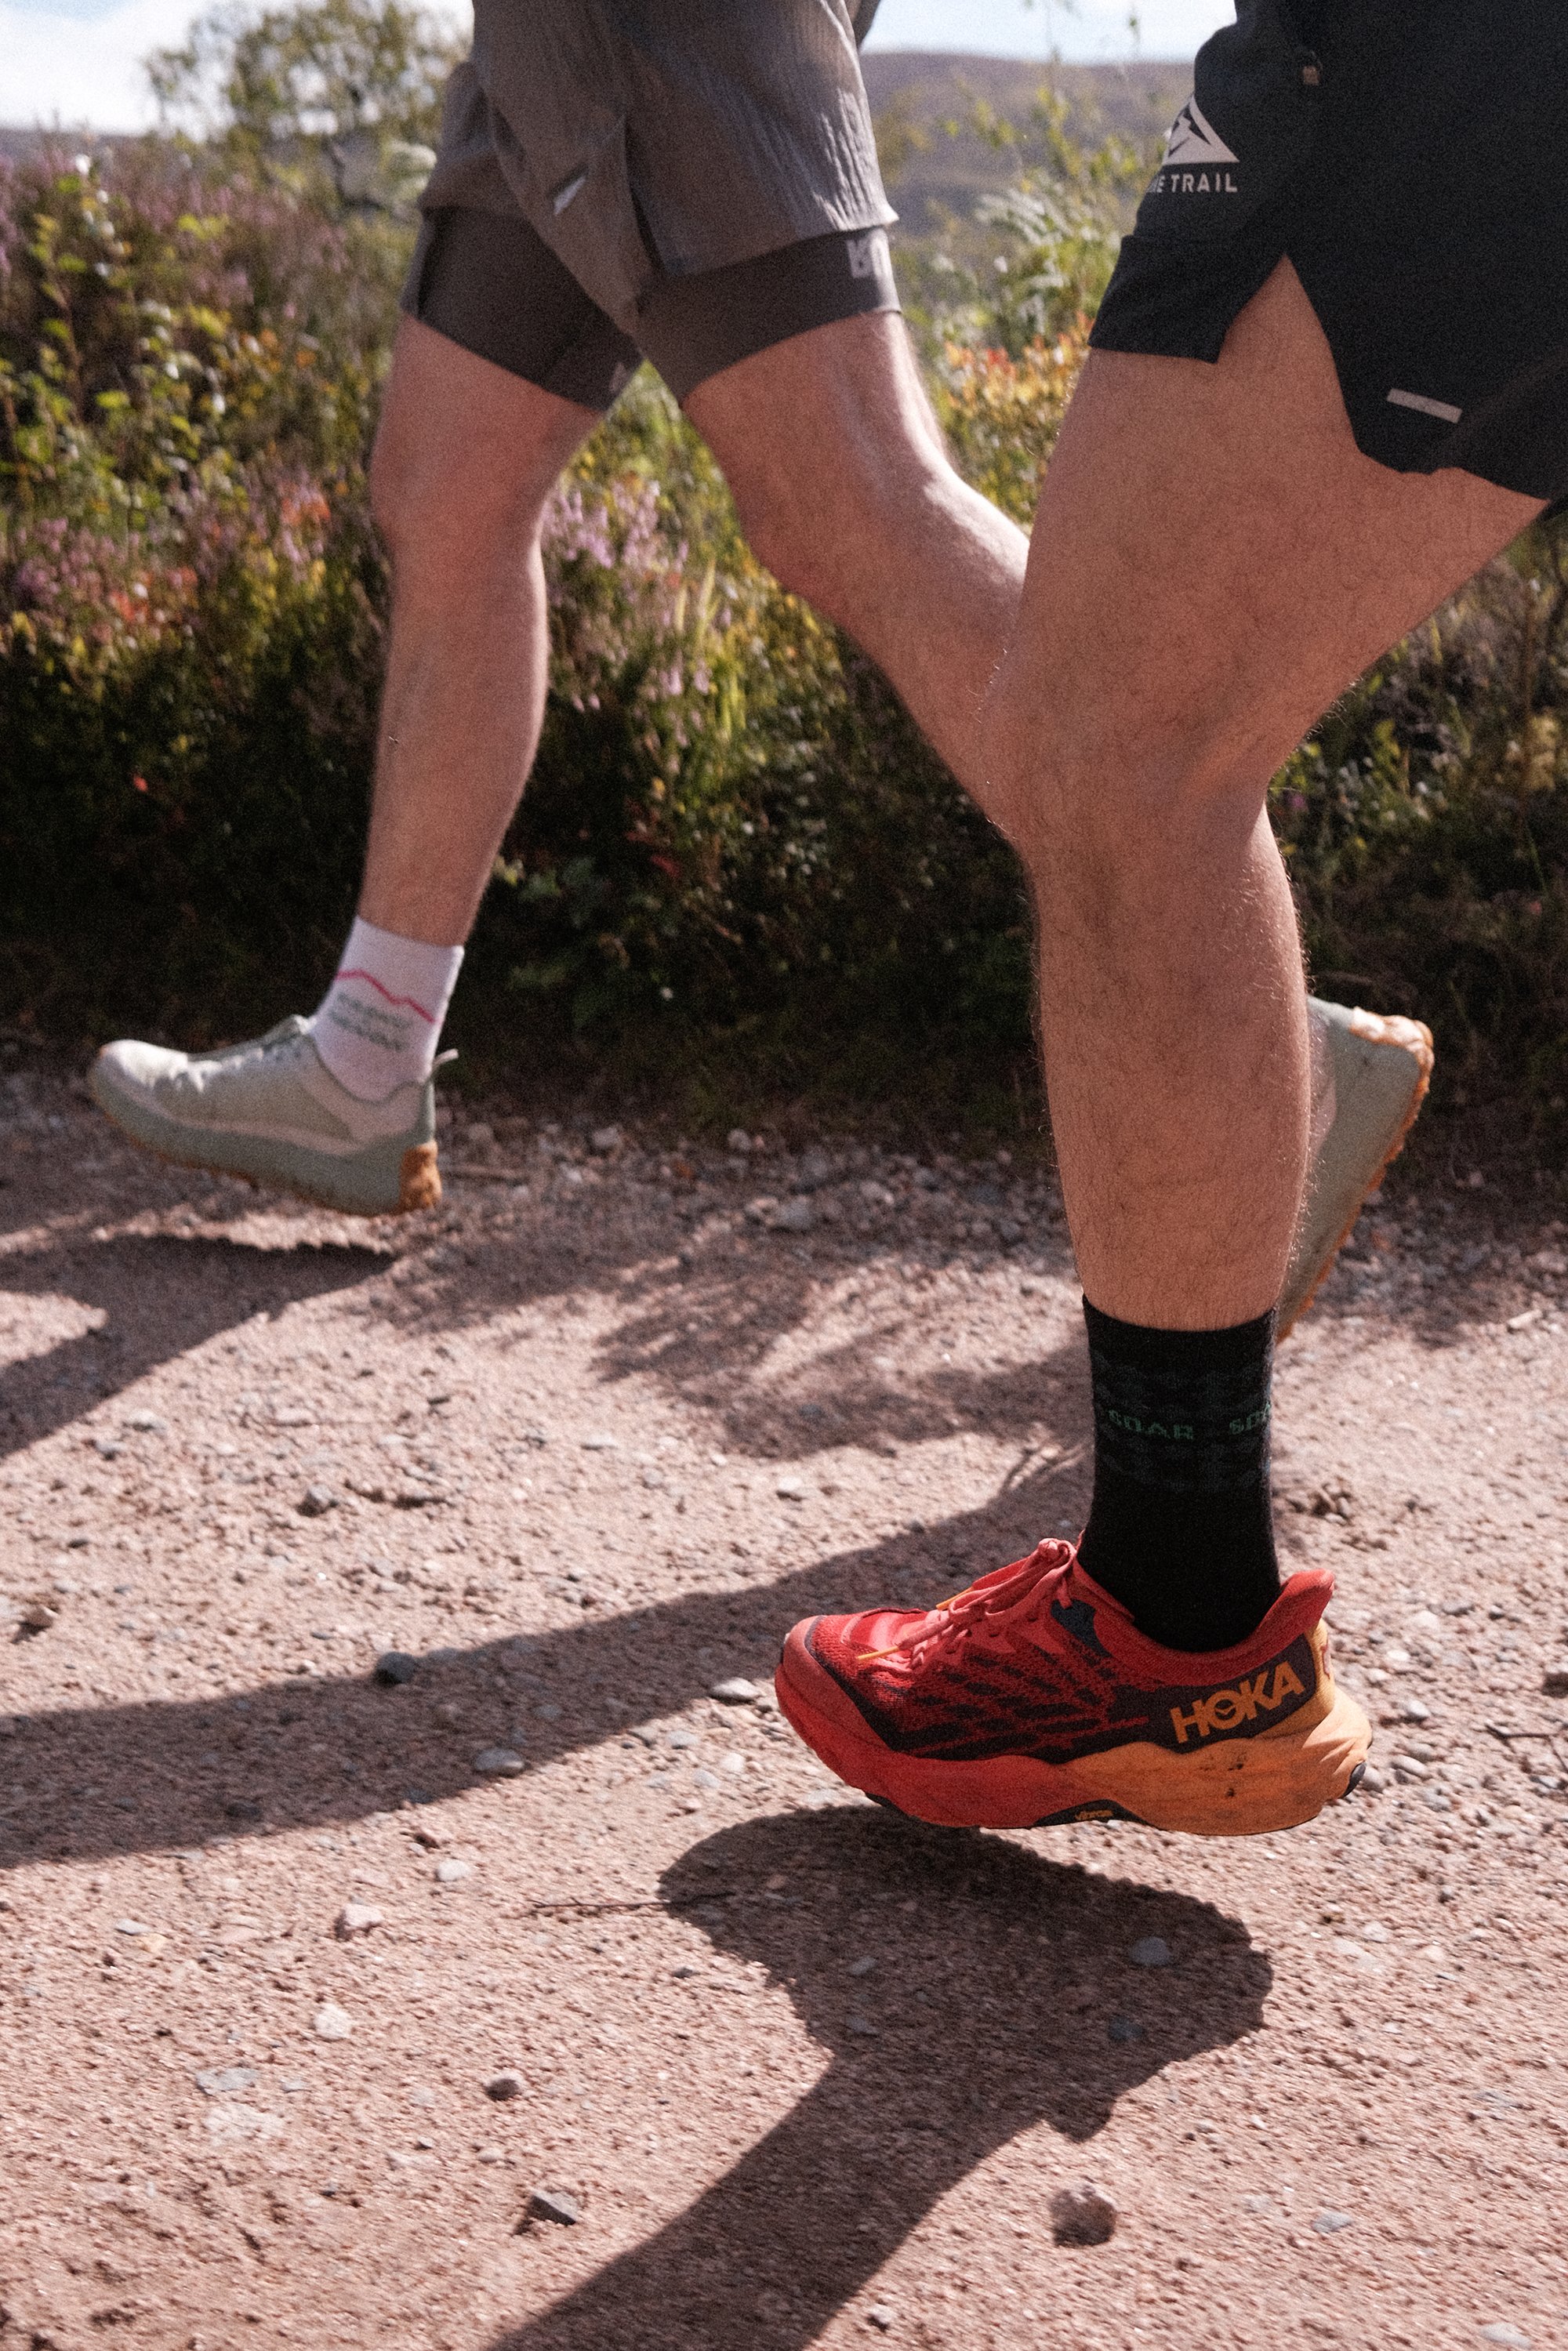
(956, 1619)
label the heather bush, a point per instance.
(736, 859)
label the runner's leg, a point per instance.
(847, 493)
(1213, 561)
(463, 466)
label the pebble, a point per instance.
(1329, 2224)
(1372, 1781)
(795, 1215)
(1124, 2028)
(356, 1918)
(861, 1967)
(1083, 2215)
(315, 1501)
(1554, 1682)
(146, 1424)
(131, 1926)
(503, 2087)
(498, 1762)
(331, 2022)
(790, 1489)
(880, 2315)
(1502, 2332)
(738, 1692)
(549, 2204)
(604, 1140)
(226, 2081)
(453, 1872)
(1151, 1951)
(396, 1665)
(738, 1141)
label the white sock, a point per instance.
(378, 1024)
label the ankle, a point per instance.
(378, 1025)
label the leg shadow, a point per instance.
(1002, 1998)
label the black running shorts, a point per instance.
(1410, 158)
(692, 180)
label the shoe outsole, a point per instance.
(1415, 1037)
(1276, 1778)
(418, 1174)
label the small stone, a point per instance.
(146, 1424)
(601, 1444)
(454, 1872)
(356, 1918)
(1374, 1931)
(36, 1616)
(1329, 2224)
(503, 2087)
(880, 2317)
(604, 1140)
(1151, 1951)
(861, 1967)
(230, 2123)
(396, 1665)
(226, 2081)
(131, 1926)
(1372, 1782)
(1554, 1681)
(736, 1692)
(1083, 2215)
(1502, 2332)
(106, 1449)
(1123, 2029)
(738, 1141)
(1412, 1710)
(861, 2024)
(549, 2204)
(331, 2022)
(790, 1489)
(796, 1216)
(499, 1763)
(315, 1501)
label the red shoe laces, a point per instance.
(955, 1619)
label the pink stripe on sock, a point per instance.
(402, 1002)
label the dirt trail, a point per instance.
(585, 1442)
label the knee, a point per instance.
(436, 509)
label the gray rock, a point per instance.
(1083, 2215)
(331, 2022)
(861, 2024)
(790, 1489)
(600, 1443)
(356, 1918)
(861, 1967)
(1554, 1683)
(1151, 1951)
(315, 1501)
(226, 2081)
(604, 1140)
(1502, 2332)
(454, 1872)
(549, 2204)
(146, 1424)
(396, 1665)
(503, 2087)
(1329, 2224)
(1372, 1782)
(499, 1763)
(1123, 2029)
(738, 1141)
(795, 1215)
(880, 2317)
(736, 1692)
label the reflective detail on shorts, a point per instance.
(1444, 408)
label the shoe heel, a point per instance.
(419, 1184)
(1247, 1787)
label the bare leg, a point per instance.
(463, 466)
(1213, 561)
(848, 496)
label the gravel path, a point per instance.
(315, 1990)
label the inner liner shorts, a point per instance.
(1409, 159)
(692, 180)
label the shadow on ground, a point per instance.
(1003, 1998)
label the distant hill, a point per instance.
(925, 90)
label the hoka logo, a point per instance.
(1227, 1709)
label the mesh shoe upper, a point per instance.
(1036, 1659)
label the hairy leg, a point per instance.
(1213, 561)
(848, 496)
(463, 466)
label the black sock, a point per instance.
(1180, 1529)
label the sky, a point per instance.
(77, 62)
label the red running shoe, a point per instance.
(1033, 1699)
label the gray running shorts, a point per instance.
(692, 180)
